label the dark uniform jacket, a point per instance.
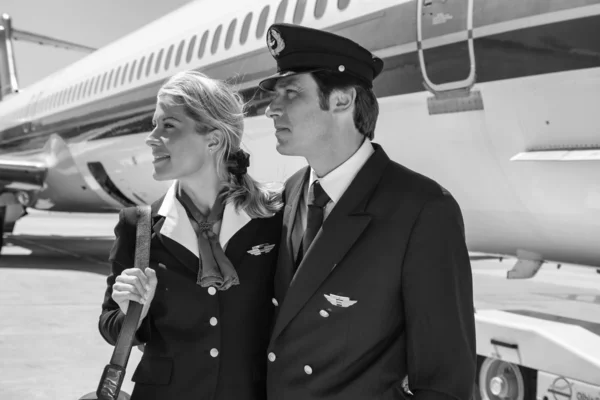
(199, 343)
(383, 293)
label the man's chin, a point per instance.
(283, 149)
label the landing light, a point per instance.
(23, 198)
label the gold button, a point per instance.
(214, 352)
(324, 313)
(275, 302)
(212, 291)
(308, 370)
(272, 356)
(341, 68)
(213, 321)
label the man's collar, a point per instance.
(337, 181)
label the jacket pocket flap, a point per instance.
(153, 370)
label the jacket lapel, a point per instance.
(339, 232)
(285, 261)
(179, 252)
(174, 230)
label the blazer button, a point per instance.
(275, 302)
(214, 352)
(212, 291)
(272, 357)
(324, 313)
(308, 370)
(213, 321)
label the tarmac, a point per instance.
(53, 272)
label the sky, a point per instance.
(93, 23)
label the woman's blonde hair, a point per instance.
(214, 105)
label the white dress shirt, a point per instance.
(334, 183)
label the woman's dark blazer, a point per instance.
(199, 343)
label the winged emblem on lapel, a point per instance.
(261, 249)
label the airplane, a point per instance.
(497, 100)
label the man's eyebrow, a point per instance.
(283, 82)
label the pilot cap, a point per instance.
(298, 49)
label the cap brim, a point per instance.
(268, 84)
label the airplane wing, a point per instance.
(18, 174)
(28, 170)
(41, 39)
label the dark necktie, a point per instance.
(317, 199)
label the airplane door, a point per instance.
(447, 55)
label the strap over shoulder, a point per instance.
(134, 310)
(142, 237)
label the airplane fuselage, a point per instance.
(508, 125)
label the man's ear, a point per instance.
(342, 100)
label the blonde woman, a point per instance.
(207, 295)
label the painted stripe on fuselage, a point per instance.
(564, 45)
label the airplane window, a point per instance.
(103, 84)
(343, 4)
(245, 28)
(262, 22)
(190, 50)
(112, 71)
(179, 52)
(132, 71)
(141, 67)
(280, 14)
(299, 12)
(168, 59)
(97, 84)
(79, 88)
(124, 73)
(230, 32)
(83, 89)
(149, 64)
(320, 7)
(202, 44)
(117, 76)
(72, 93)
(158, 61)
(216, 37)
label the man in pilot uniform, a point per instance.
(373, 284)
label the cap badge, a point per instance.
(275, 42)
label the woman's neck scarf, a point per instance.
(214, 267)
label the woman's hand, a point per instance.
(137, 285)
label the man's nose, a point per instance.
(273, 110)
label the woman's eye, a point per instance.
(167, 125)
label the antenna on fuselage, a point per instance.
(8, 73)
